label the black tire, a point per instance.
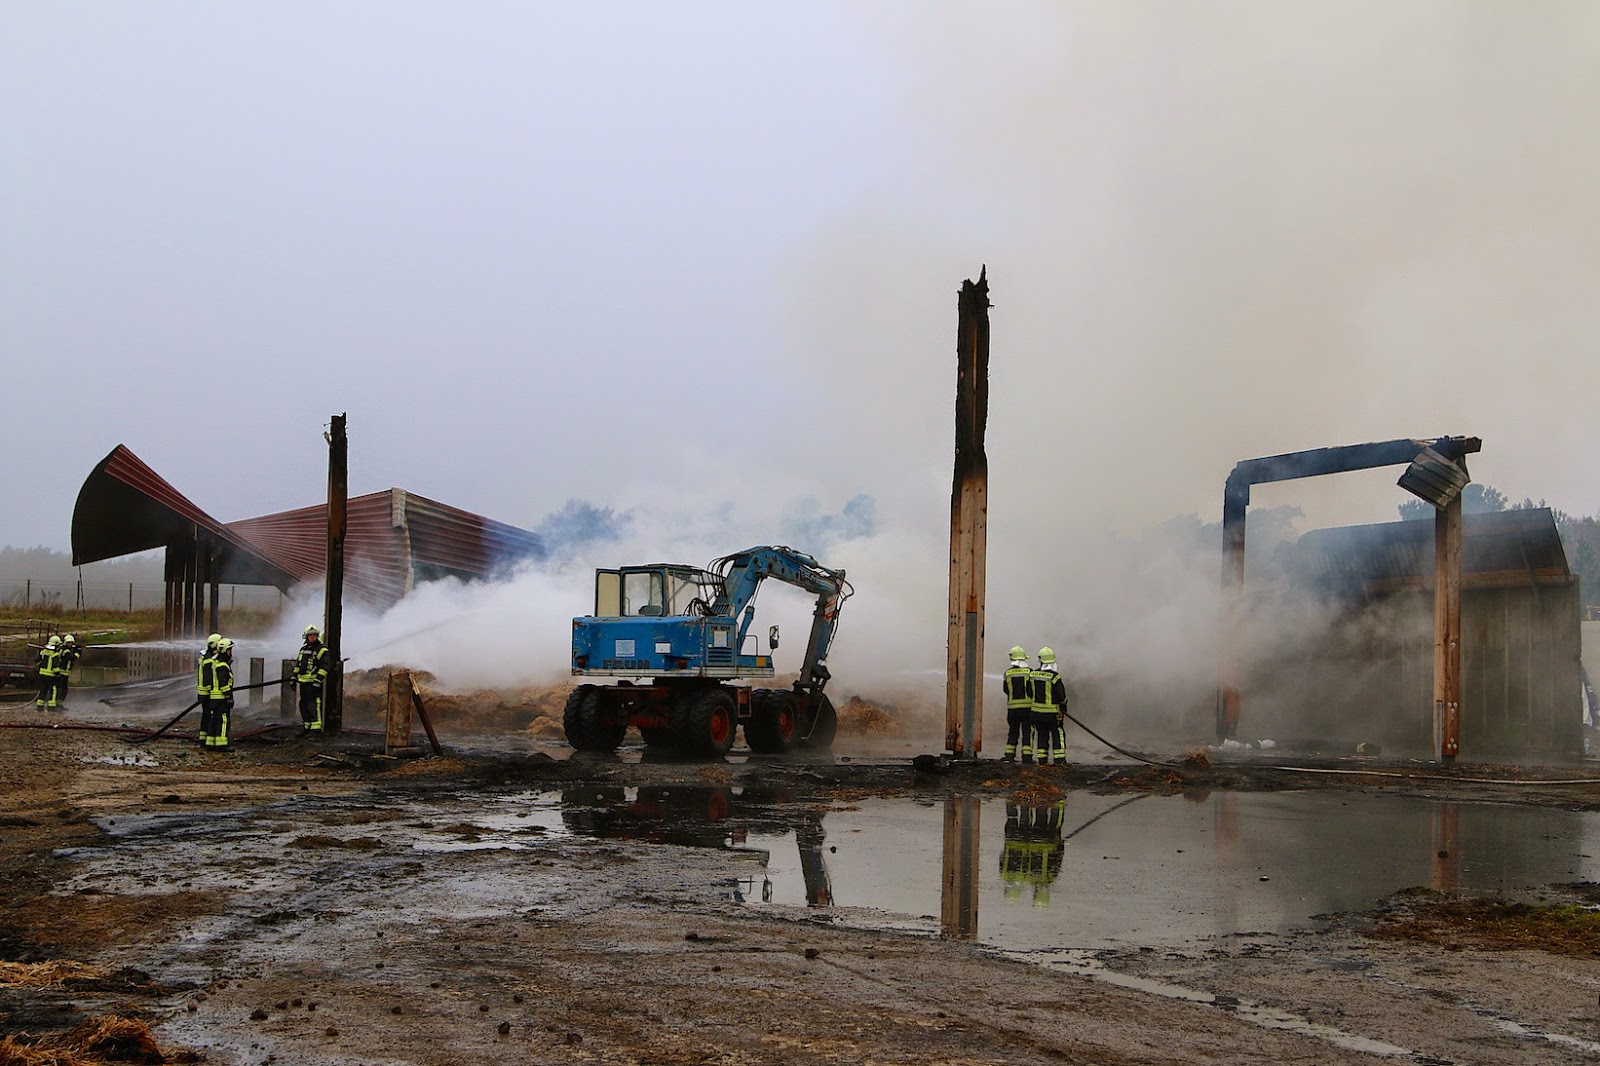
(590, 724)
(706, 720)
(774, 723)
(824, 724)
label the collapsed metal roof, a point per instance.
(1500, 549)
(393, 538)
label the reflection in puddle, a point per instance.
(1106, 871)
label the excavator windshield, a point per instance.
(668, 590)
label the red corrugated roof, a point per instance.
(391, 537)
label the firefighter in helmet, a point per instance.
(1019, 706)
(1048, 694)
(67, 657)
(311, 677)
(217, 703)
(45, 664)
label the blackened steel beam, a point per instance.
(969, 516)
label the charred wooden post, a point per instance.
(287, 693)
(1447, 631)
(258, 681)
(1235, 503)
(338, 498)
(422, 715)
(969, 516)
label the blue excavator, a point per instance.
(676, 638)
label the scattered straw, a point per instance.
(95, 1042)
(40, 976)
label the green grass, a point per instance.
(108, 626)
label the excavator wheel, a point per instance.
(705, 721)
(588, 723)
(824, 725)
(774, 722)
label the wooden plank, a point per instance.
(427, 723)
(397, 712)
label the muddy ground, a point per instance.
(300, 902)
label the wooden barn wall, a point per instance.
(1371, 680)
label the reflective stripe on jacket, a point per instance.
(312, 663)
(1048, 691)
(221, 679)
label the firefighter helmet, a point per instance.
(53, 642)
(213, 639)
(309, 630)
(224, 644)
(1046, 656)
(1018, 653)
(69, 639)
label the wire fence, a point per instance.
(30, 595)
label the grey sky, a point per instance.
(681, 257)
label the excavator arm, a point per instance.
(744, 571)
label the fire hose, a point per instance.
(181, 714)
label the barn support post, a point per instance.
(969, 515)
(333, 606)
(1447, 631)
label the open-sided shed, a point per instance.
(1520, 640)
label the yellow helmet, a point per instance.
(308, 630)
(1018, 652)
(213, 640)
(53, 642)
(1047, 655)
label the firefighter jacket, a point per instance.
(67, 657)
(206, 674)
(221, 678)
(48, 661)
(312, 664)
(1015, 681)
(1048, 692)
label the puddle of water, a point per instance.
(1104, 872)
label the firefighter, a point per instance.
(66, 658)
(1019, 706)
(217, 702)
(1048, 693)
(204, 682)
(45, 662)
(310, 677)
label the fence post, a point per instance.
(130, 597)
(27, 596)
(258, 676)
